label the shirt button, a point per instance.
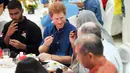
(57, 42)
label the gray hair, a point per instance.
(90, 27)
(89, 16)
(90, 43)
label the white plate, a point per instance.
(53, 65)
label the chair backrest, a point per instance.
(72, 20)
(127, 68)
(126, 21)
(2, 25)
(112, 23)
(124, 51)
(108, 16)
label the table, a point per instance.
(8, 70)
(12, 69)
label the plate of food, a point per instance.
(53, 65)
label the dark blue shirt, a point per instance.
(94, 6)
(44, 1)
(1, 1)
(5, 2)
(61, 44)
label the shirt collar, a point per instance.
(96, 68)
(65, 25)
(24, 18)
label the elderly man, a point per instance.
(110, 51)
(56, 44)
(89, 49)
(20, 34)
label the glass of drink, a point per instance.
(6, 53)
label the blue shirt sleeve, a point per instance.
(47, 32)
(46, 20)
(44, 1)
(94, 6)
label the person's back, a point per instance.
(94, 6)
(112, 54)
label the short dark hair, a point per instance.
(90, 43)
(14, 4)
(30, 65)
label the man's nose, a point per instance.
(13, 16)
(59, 21)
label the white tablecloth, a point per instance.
(8, 70)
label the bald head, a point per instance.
(89, 27)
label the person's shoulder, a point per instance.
(7, 24)
(31, 23)
(49, 26)
(70, 25)
(110, 66)
(92, 2)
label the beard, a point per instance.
(19, 19)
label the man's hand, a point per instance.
(68, 72)
(12, 28)
(48, 40)
(17, 44)
(44, 56)
(72, 36)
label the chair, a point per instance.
(127, 68)
(2, 25)
(112, 23)
(124, 51)
(126, 21)
(72, 20)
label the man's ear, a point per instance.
(51, 17)
(90, 55)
